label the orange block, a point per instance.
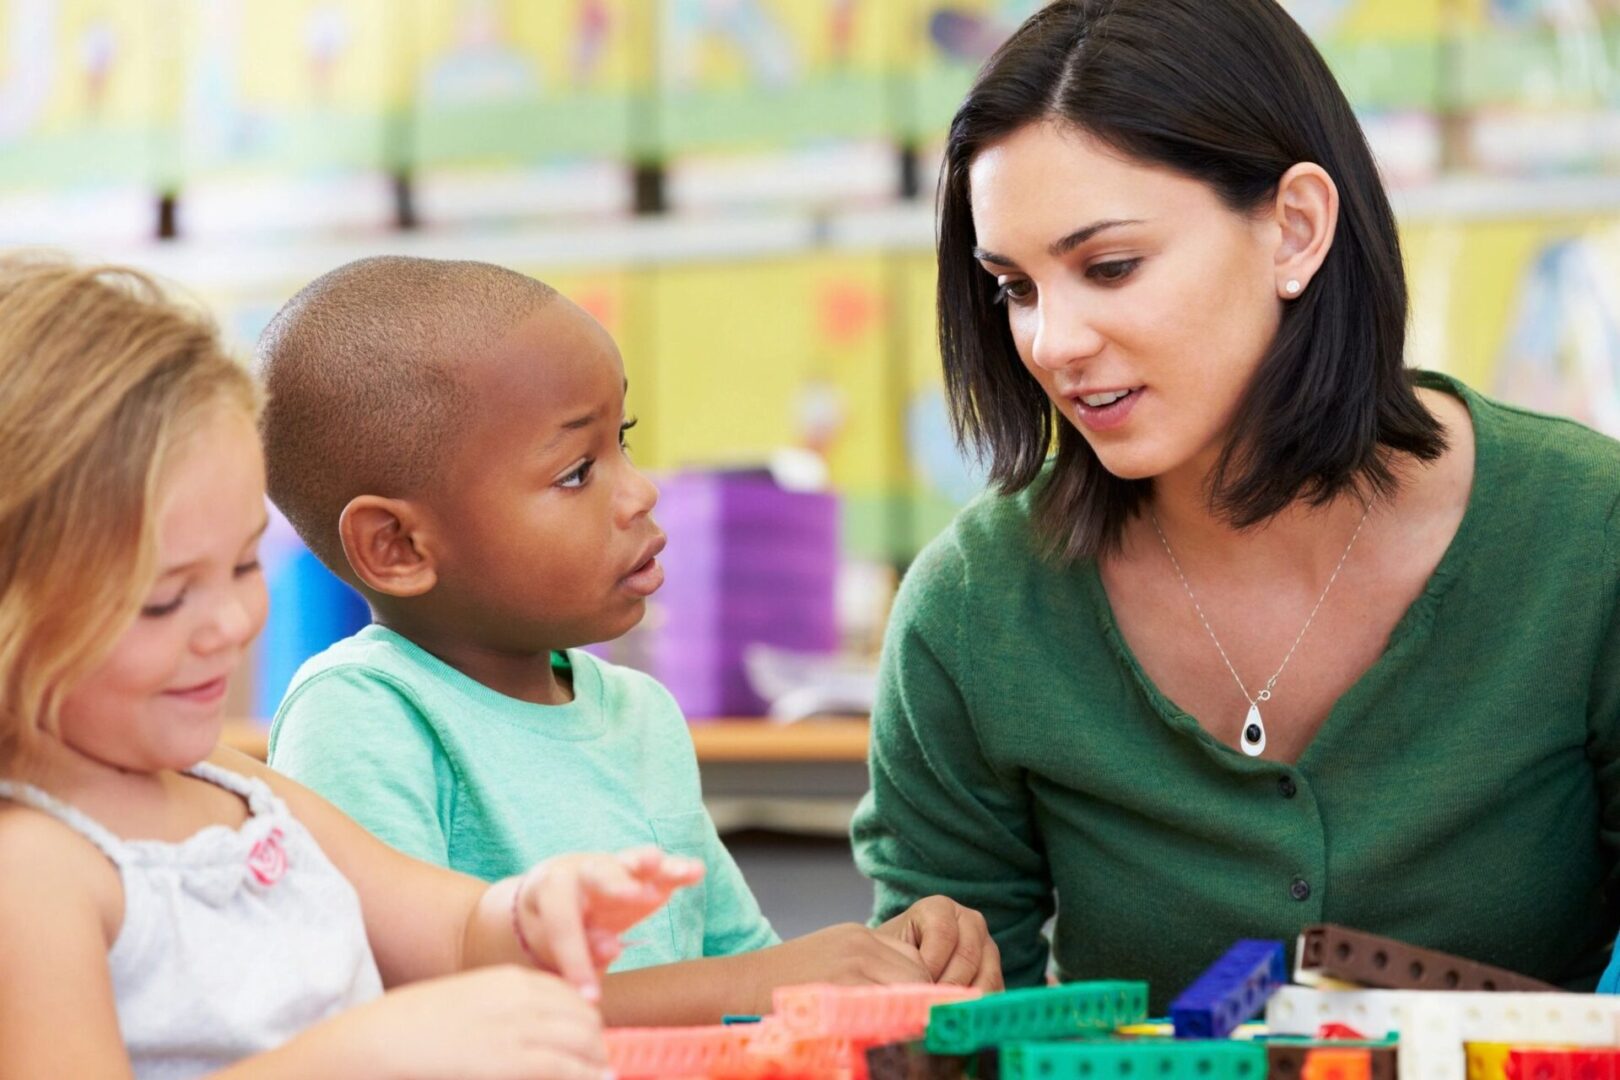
(1337, 1065)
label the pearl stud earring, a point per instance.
(1292, 288)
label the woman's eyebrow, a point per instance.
(1063, 246)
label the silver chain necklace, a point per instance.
(1253, 740)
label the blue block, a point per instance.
(1232, 990)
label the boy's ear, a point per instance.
(383, 540)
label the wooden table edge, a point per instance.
(827, 740)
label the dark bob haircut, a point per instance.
(1233, 94)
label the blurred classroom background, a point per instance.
(741, 192)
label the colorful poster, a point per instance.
(517, 83)
(772, 74)
(298, 86)
(940, 476)
(942, 44)
(1527, 310)
(1539, 82)
(82, 99)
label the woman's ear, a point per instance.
(1306, 213)
(386, 543)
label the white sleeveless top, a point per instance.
(233, 941)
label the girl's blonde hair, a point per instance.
(101, 375)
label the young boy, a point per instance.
(448, 438)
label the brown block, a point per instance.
(1386, 964)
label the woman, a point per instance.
(1282, 632)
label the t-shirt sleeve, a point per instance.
(358, 740)
(732, 920)
(939, 818)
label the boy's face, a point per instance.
(546, 527)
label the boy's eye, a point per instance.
(1110, 273)
(246, 568)
(1018, 291)
(169, 607)
(577, 477)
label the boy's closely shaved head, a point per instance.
(364, 369)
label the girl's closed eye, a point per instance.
(165, 607)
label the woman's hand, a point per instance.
(568, 912)
(954, 942)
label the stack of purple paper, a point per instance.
(747, 562)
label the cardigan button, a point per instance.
(1300, 889)
(1286, 787)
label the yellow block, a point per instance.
(1487, 1061)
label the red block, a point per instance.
(1539, 1065)
(877, 1014)
(1593, 1064)
(646, 1053)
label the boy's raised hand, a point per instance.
(954, 941)
(568, 912)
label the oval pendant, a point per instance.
(1253, 739)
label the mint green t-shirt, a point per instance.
(443, 768)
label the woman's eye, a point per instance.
(169, 607)
(577, 477)
(1111, 272)
(1014, 290)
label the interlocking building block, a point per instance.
(635, 1053)
(1329, 952)
(1337, 1063)
(1285, 1058)
(1525, 1018)
(1557, 1063)
(1594, 1064)
(1230, 991)
(1047, 1012)
(1119, 1059)
(870, 1013)
(1431, 1036)
(1486, 1060)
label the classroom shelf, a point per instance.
(638, 243)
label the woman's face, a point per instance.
(1140, 302)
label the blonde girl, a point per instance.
(170, 909)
